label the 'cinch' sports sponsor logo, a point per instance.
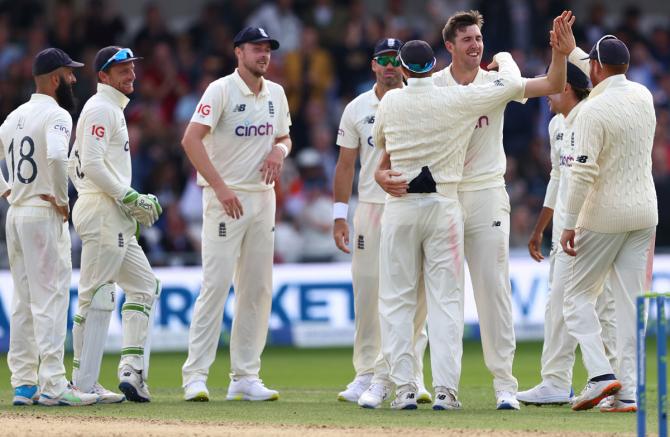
(254, 131)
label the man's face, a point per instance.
(387, 75)
(254, 57)
(120, 76)
(468, 47)
(64, 92)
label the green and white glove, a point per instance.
(142, 207)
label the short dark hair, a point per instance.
(580, 93)
(460, 20)
(615, 69)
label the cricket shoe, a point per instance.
(106, 396)
(506, 400)
(405, 398)
(446, 399)
(26, 395)
(196, 392)
(71, 397)
(374, 396)
(545, 393)
(594, 392)
(132, 384)
(250, 389)
(423, 396)
(612, 404)
(355, 388)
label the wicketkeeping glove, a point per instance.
(142, 207)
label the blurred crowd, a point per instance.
(323, 63)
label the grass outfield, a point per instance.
(309, 380)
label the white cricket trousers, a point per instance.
(422, 233)
(38, 244)
(627, 258)
(558, 350)
(110, 254)
(241, 250)
(365, 278)
(487, 222)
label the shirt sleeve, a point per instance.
(59, 128)
(576, 57)
(98, 127)
(4, 186)
(211, 104)
(589, 132)
(284, 120)
(555, 175)
(347, 136)
(378, 127)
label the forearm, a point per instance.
(285, 140)
(546, 214)
(4, 186)
(553, 82)
(384, 164)
(96, 170)
(581, 181)
(57, 169)
(195, 150)
(343, 182)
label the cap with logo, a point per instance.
(254, 34)
(387, 45)
(609, 50)
(113, 55)
(52, 59)
(417, 56)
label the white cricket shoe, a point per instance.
(106, 396)
(446, 399)
(250, 389)
(506, 400)
(545, 393)
(405, 398)
(423, 396)
(374, 396)
(355, 388)
(132, 385)
(71, 397)
(594, 392)
(612, 404)
(196, 392)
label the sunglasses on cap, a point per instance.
(384, 60)
(598, 46)
(120, 56)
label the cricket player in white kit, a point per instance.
(424, 131)
(355, 140)
(610, 221)
(34, 141)
(106, 216)
(558, 351)
(237, 140)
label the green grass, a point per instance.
(309, 380)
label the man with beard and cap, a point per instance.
(237, 140)
(355, 139)
(34, 141)
(424, 131)
(107, 215)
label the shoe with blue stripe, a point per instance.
(26, 395)
(71, 397)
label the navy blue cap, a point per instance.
(612, 51)
(52, 59)
(417, 56)
(387, 45)
(254, 34)
(575, 77)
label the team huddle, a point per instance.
(431, 197)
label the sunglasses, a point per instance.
(120, 56)
(387, 59)
(598, 46)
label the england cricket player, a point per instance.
(237, 140)
(558, 351)
(355, 140)
(424, 131)
(34, 141)
(610, 220)
(106, 216)
(484, 199)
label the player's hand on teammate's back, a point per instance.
(391, 183)
(231, 204)
(272, 165)
(63, 210)
(142, 207)
(341, 235)
(568, 242)
(534, 246)
(6, 193)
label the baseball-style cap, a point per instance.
(417, 56)
(575, 77)
(52, 59)
(610, 50)
(113, 55)
(387, 45)
(254, 34)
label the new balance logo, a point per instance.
(498, 82)
(582, 159)
(410, 395)
(442, 397)
(370, 119)
(496, 224)
(361, 242)
(559, 136)
(271, 108)
(240, 108)
(120, 239)
(222, 229)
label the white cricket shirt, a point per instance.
(243, 129)
(35, 138)
(100, 158)
(485, 161)
(355, 132)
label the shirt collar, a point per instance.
(43, 98)
(114, 95)
(573, 113)
(480, 72)
(420, 82)
(245, 89)
(610, 81)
